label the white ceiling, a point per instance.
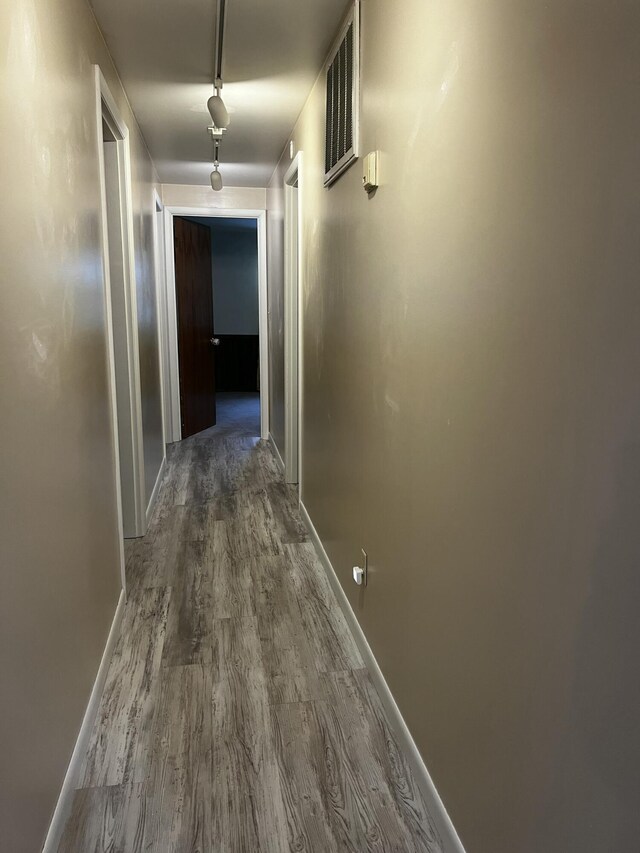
(164, 52)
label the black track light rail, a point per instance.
(222, 8)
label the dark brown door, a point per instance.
(194, 301)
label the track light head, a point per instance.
(219, 113)
(216, 179)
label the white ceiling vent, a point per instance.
(343, 99)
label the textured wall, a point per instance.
(58, 535)
(471, 399)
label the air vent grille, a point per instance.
(342, 102)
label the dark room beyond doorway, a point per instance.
(234, 275)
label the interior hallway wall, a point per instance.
(234, 270)
(240, 198)
(471, 401)
(235, 277)
(58, 535)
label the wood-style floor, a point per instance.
(237, 715)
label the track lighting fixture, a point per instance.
(215, 104)
(216, 177)
(217, 108)
(219, 113)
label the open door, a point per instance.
(196, 341)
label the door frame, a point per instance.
(172, 387)
(161, 313)
(106, 109)
(293, 322)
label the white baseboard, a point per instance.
(156, 490)
(451, 841)
(65, 800)
(276, 452)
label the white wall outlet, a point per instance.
(370, 169)
(360, 572)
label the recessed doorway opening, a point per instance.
(216, 295)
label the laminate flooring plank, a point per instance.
(201, 518)
(236, 648)
(248, 813)
(167, 528)
(235, 575)
(309, 825)
(120, 736)
(152, 558)
(283, 499)
(333, 644)
(335, 794)
(209, 476)
(287, 654)
(180, 770)
(175, 488)
(226, 464)
(189, 630)
(381, 763)
(251, 528)
(350, 788)
(113, 819)
(259, 469)
(249, 464)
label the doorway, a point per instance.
(121, 311)
(217, 261)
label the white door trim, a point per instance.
(161, 311)
(172, 323)
(107, 110)
(293, 322)
(111, 365)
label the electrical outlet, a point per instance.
(360, 572)
(370, 170)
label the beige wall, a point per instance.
(58, 537)
(472, 412)
(240, 198)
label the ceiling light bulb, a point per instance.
(216, 180)
(219, 112)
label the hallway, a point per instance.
(237, 714)
(396, 244)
